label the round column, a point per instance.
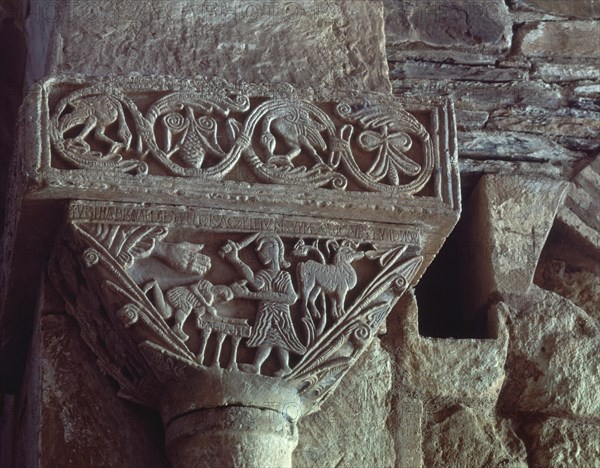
(234, 436)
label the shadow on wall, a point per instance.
(12, 69)
(442, 313)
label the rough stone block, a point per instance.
(578, 230)
(417, 52)
(560, 39)
(430, 70)
(514, 216)
(83, 422)
(586, 97)
(472, 169)
(461, 23)
(450, 369)
(514, 146)
(483, 96)
(563, 442)
(461, 436)
(587, 90)
(467, 120)
(579, 218)
(406, 423)
(557, 72)
(305, 42)
(337, 436)
(466, 32)
(572, 282)
(553, 359)
(568, 122)
(455, 23)
(585, 9)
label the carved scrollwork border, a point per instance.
(361, 145)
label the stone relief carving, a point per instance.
(367, 144)
(296, 308)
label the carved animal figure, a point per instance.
(199, 298)
(333, 280)
(97, 113)
(298, 131)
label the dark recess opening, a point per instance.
(442, 313)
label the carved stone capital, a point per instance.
(238, 246)
(273, 310)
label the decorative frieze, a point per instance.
(361, 144)
(211, 143)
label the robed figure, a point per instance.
(272, 287)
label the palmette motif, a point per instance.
(296, 309)
(363, 145)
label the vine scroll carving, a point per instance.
(356, 144)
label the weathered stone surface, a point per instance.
(579, 218)
(405, 423)
(587, 90)
(455, 23)
(514, 216)
(232, 39)
(461, 436)
(83, 423)
(484, 96)
(522, 16)
(569, 122)
(447, 24)
(400, 52)
(431, 70)
(586, 145)
(553, 360)
(350, 430)
(579, 286)
(584, 194)
(563, 442)
(472, 169)
(437, 368)
(556, 72)
(569, 39)
(586, 97)
(467, 120)
(397, 25)
(467, 33)
(513, 146)
(585, 9)
(577, 229)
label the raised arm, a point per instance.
(230, 252)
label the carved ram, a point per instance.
(321, 279)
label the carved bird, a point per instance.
(97, 113)
(298, 131)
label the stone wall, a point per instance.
(519, 391)
(525, 78)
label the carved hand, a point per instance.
(184, 257)
(222, 294)
(230, 252)
(240, 289)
